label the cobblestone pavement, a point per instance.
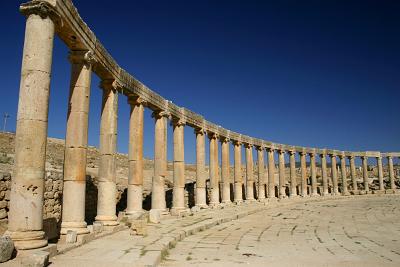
(362, 231)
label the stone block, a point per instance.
(98, 227)
(3, 204)
(195, 209)
(138, 227)
(3, 213)
(6, 248)
(37, 259)
(71, 237)
(154, 216)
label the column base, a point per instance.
(294, 196)
(392, 191)
(355, 192)
(163, 212)
(180, 212)
(252, 200)
(364, 192)
(314, 195)
(107, 220)
(326, 193)
(238, 201)
(378, 192)
(28, 240)
(79, 227)
(133, 215)
(347, 193)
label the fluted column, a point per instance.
(25, 225)
(345, 190)
(135, 175)
(303, 169)
(271, 173)
(282, 175)
(201, 175)
(293, 176)
(76, 140)
(353, 175)
(160, 161)
(249, 173)
(238, 172)
(225, 171)
(365, 173)
(324, 175)
(314, 191)
(214, 169)
(380, 173)
(178, 196)
(334, 174)
(261, 173)
(391, 173)
(107, 187)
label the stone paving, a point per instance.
(361, 231)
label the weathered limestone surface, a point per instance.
(178, 202)
(200, 168)
(249, 173)
(225, 171)
(214, 169)
(238, 172)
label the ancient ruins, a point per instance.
(44, 19)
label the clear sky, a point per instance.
(309, 73)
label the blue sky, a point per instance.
(309, 73)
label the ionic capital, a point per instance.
(292, 152)
(332, 155)
(281, 151)
(248, 146)
(85, 57)
(270, 149)
(136, 101)
(41, 8)
(110, 85)
(199, 131)
(236, 142)
(212, 135)
(259, 148)
(161, 114)
(224, 139)
(178, 122)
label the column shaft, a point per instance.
(380, 173)
(135, 175)
(303, 167)
(107, 187)
(334, 175)
(178, 197)
(225, 171)
(314, 191)
(160, 161)
(261, 173)
(344, 175)
(293, 178)
(74, 188)
(238, 172)
(353, 174)
(324, 175)
(391, 173)
(200, 169)
(249, 173)
(282, 175)
(271, 173)
(25, 225)
(214, 170)
(365, 173)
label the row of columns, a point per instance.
(26, 198)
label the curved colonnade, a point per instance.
(45, 18)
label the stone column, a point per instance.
(334, 175)
(391, 173)
(342, 158)
(303, 167)
(380, 173)
(160, 161)
(135, 176)
(324, 175)
(107, 187)
(214, 169)
(225, 171)
(353, 175)
(249, 173)
(365, 173)
(282, 176)
(238, 172)
(178, 197)
(293, 178)
(25, 225)
(201, 175)
(314, 191)
(271, 173)
(74, 188)
(261, 173)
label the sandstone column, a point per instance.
(293, 176)
(303, 167)
(249, 173)
(214, 169)
(160, 161)
(342, 158)
(178, 197)
(107, 187)
(313, 175)
(225, 171)
(353, 174)
(200, 169)
(238, 172)
(282, 176)
(261, 173)
(391, 173)
(74, 189)
(135, 176)
(365, 173)
(271, 173)
(380, 173)
(334, 175)
(324, 175)
(25, 225)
